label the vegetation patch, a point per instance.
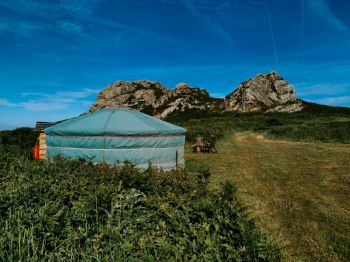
(74, 210)
(298, 191)
(313, 123)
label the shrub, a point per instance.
(315, 123)
(273, 122)
(20, 140)
(74, 210)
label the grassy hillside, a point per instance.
(314, 123)
(64, 210)
(298, 191)
(292, 170)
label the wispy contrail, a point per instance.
(272, 35)
(302, 38)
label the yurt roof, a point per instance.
(114, 122)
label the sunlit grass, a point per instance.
(315, 123)
(299, 191)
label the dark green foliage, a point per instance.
(20, 140)
(273, 122)
(325, 132)
(341, 245)
(229, 190)
(318, 109)
(74, 210)
(314, 123)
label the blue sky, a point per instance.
(56, 55)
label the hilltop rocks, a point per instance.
(153, 98)
(263, 93)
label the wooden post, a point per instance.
(179, 158)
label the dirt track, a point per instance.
(298, 190)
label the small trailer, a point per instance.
(205, 146)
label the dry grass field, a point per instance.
(298, 191)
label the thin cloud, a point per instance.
(5, 102)
(43, 8)
(217, 95)
(50, 102)
(21, 28)
(80, 13)
(322, 89)
(78, 7)
(26, 28)
(70, 28)
(25, 5)
(129, 29)
(166, 71)
(55, 22)
(194, 8)
(79, 94)
(335, 101)
(322, 9)
(43, 106)
(64, 94)
(6, 126)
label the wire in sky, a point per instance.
(272, 34)
(302, 38)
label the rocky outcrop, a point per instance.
(154, 98)
(263, 93)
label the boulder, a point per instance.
(262, 93)
(152, 97)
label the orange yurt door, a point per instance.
(39, 150)
(42, 146)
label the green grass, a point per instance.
(292, 170)
(332, 131)
(298, 191)
(314, 123)
(73, 210)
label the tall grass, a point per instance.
(77, 211)
(314, 123)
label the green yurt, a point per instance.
(116, 135)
